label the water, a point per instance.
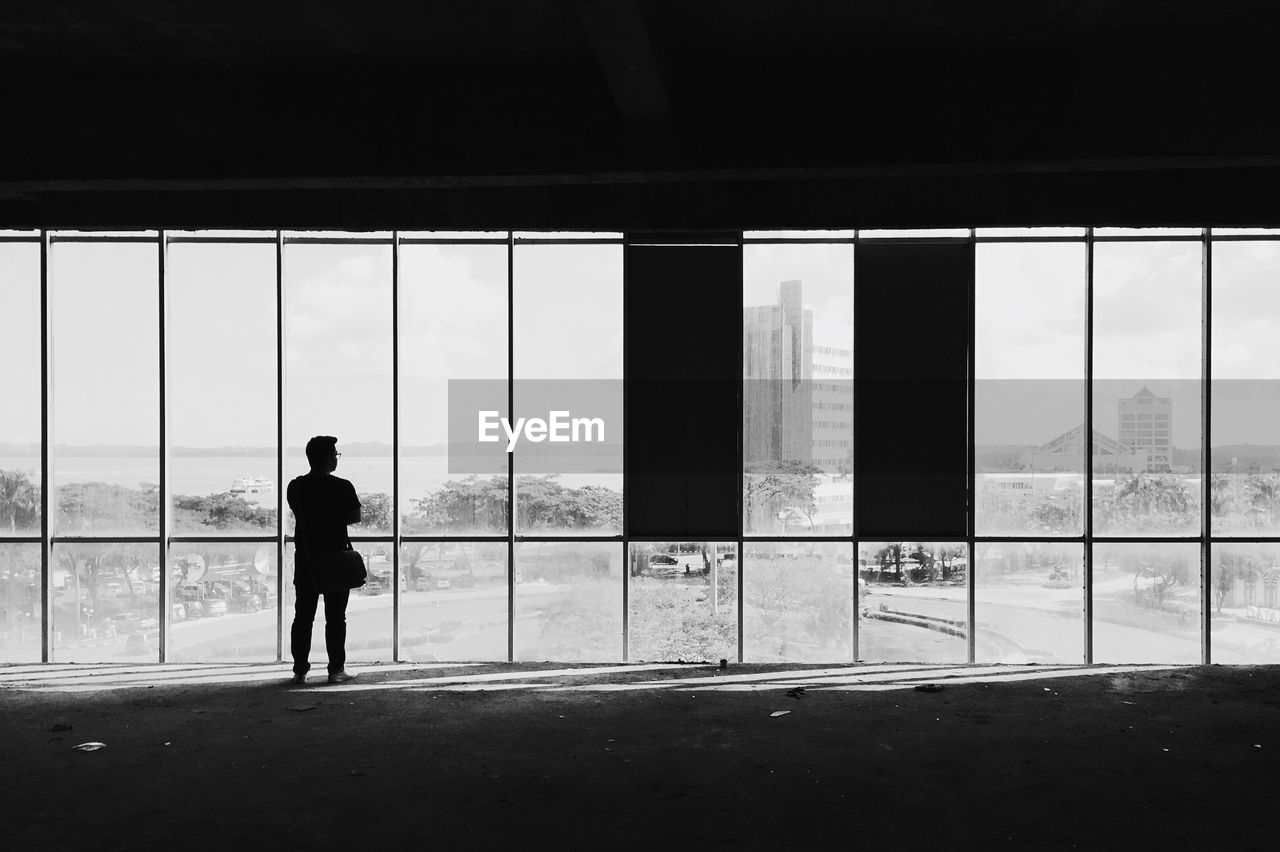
(216, 474)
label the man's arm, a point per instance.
(353, 511)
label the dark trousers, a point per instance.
(335, 627)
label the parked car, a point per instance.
(450, 577)
(246, 603)
(142, 643)
(215, 606)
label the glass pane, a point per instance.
(222, 388)
(568, 601)
(222, 603)
(453, 327)
(1245, 232)
(106, 603)
(106, 400)
(338, 334)
(1245, 616)
(568, 327)
(369, 611)
(1030, 232)
(1029, 603)
(797, 602)
(1029, 394)
(1245, 485)
(1146, 391)
(453, 604)
(797, 377)
(20, 427)
(20, 637)
(683, 602)
(913, 602)
(1146, 603)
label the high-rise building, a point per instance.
(1146, 424)
(777, 362)
(798, 394)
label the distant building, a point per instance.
(1146, 425)
(798, 393)
(1066, 453)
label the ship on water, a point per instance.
(252, 485)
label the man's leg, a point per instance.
(304, 614)
(335, 628)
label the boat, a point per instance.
(251, 485)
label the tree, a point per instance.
(222, 512)
(771, 487)
(18, 497)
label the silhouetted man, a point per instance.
(322, 506)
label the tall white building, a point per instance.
(1146, 425)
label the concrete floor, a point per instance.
(517, 756)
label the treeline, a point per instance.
(471, 505)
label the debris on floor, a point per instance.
(89, 746)
(930, 687)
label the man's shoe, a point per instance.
(341, 677)
(299, 679)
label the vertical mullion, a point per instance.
(1088, 447)
(741, 554)
(46, 452)
(970, 435)
(856, 622)
(1206, 468)
(280, 445)
(395, 446)
(511, 461)
(626, 470)
(164, 520)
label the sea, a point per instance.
(419, 475)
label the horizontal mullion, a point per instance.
(572, 242)
(455, 539)
(338, 241)
(229, 539)
(80, 238)
(232, 240)
(616, 539)
(1145, 539)
(798, 241)
(1079, 239)
(20, 539)
(105, 539)
(786, 539)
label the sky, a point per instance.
(568, 324)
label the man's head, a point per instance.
(322, 453)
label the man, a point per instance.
(322, 506)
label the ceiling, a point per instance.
(632, 114)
